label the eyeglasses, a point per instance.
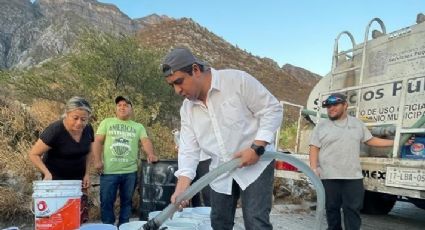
(332, 100)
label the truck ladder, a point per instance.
(366, 38)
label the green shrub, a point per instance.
(288, 136)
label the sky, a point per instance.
(297, 32)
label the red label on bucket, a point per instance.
(42, 206)
(66, 217)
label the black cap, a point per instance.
(333, 99)
(178, 58)
(123, 98)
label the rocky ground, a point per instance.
(404, 216)
(301, 217)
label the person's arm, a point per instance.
(148, 148)
(35, 154)
(182, 184)
(379, 142)
(188, 156)
(89, 160)
(97, 152)
(314, 159)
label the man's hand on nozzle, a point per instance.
(182, 184)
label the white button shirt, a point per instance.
(239, 110)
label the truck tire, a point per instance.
(376, 203)
(420, 203)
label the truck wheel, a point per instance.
(420, 203)
(376, 203)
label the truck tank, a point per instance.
(389, 58)
(384, 80)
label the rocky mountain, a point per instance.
(289, 83)
(301, 74)
(31, 32)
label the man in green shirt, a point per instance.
(116, 152)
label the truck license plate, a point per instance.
(411, 178)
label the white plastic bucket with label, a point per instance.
(57, 204)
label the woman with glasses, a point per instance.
(63, 150)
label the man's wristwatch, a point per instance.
(259, 150)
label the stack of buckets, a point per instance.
(57, 207)
(57, 204)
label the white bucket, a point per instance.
(153, 214)
(133, 225)
(98, 227)
(187, 220)
(202, 211)
(179, 225)
(57, 204)
(185, 213)
(202, 214)
(205, 227)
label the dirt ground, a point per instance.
(404, 216)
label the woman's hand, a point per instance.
(86, 181)
(98, 165)
(48, 176)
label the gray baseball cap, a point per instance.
(178, 58)
(123, 98)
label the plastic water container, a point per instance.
(179, 225)
(185, 213)
(202, 211)
(205, 227)
(157, 185)
(98, 227)
(57, 204)
(153, 214)
(133, 225)
(202, 214)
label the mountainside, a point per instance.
(33, 32)
(289, 83)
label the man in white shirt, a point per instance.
(226, 114)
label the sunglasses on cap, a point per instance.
(166, 70)
(332, 100)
